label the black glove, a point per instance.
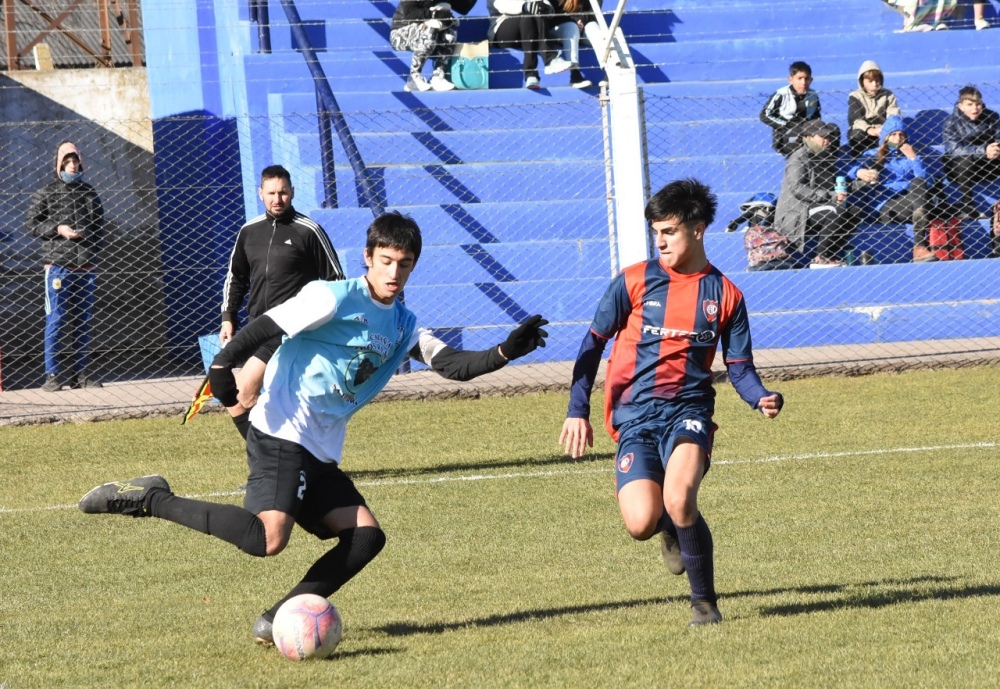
(223, 384)
(525, 338)
(538, 7)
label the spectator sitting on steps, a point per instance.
(809, 203)
(789, 107)
(891, 183)
(867, 108)
(429, 30)
(524, 26)
(971, 146)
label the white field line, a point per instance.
(581, 472)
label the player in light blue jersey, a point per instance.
(343, 341)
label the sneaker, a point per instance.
(670, 549)
(558, 65)
(123, 497)
(532, 83)
(921, 254)
(51, 384)
(703, 612)
(417, 84)
(820, 262)
(941, 27)
(578, 81)
(982, 24)
(439, 82)
(85, 382)
(262, 631)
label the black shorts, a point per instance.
(285, 476)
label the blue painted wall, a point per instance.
(508, 184)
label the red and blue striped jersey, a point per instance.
(667, 327)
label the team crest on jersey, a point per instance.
(711, 309)
(625, 462)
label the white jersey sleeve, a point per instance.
(314, 305)
(426, 344)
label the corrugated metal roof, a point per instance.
(83, 23)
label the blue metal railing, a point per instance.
(331, 119)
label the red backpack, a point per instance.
(945, 239)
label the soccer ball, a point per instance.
(307, 626)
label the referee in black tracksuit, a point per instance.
(276, 254)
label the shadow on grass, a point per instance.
(552, 460)
(410, 628)
(362, 653)
(873, 600)
(855, 598)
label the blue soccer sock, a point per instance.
(666, 524)
(696, 551)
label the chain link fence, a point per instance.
(513, 200)
(892, 299)
(504, 237)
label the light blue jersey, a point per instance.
(341, 350)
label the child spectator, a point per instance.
(867, 109)
(524, 26)
(429, 30)
(809, 203)
(891, 184)
(971, 146)
(789, 107)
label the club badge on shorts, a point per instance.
(625, 462)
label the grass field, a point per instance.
(856, 545)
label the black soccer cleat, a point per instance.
(670, 549)
(123, 497)
(703, 612)
(262, 631)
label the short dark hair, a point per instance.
(689, 200)
(970, 92)
(799, 66)
(68, 157)
(275, 172)
(395, 231)
(875, 75)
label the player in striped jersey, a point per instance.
(667, 317)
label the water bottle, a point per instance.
(841, 186)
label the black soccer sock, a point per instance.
(357, 547)
(242, 423)
(666, 524)
(229, 523)
(696, 551)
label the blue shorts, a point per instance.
(644, 446)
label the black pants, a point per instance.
(860, 142)
(526, 32)
(832, 226)
(910, 206)
(967, 171)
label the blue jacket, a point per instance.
(895, 173)
(965, 137)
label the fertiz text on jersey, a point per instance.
(702, 336)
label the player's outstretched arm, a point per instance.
(455, 364)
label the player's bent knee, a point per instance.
(368, 542)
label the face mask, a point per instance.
(892, 145)
(813, 145)
(70, 177)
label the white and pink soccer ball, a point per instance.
(307, 626)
